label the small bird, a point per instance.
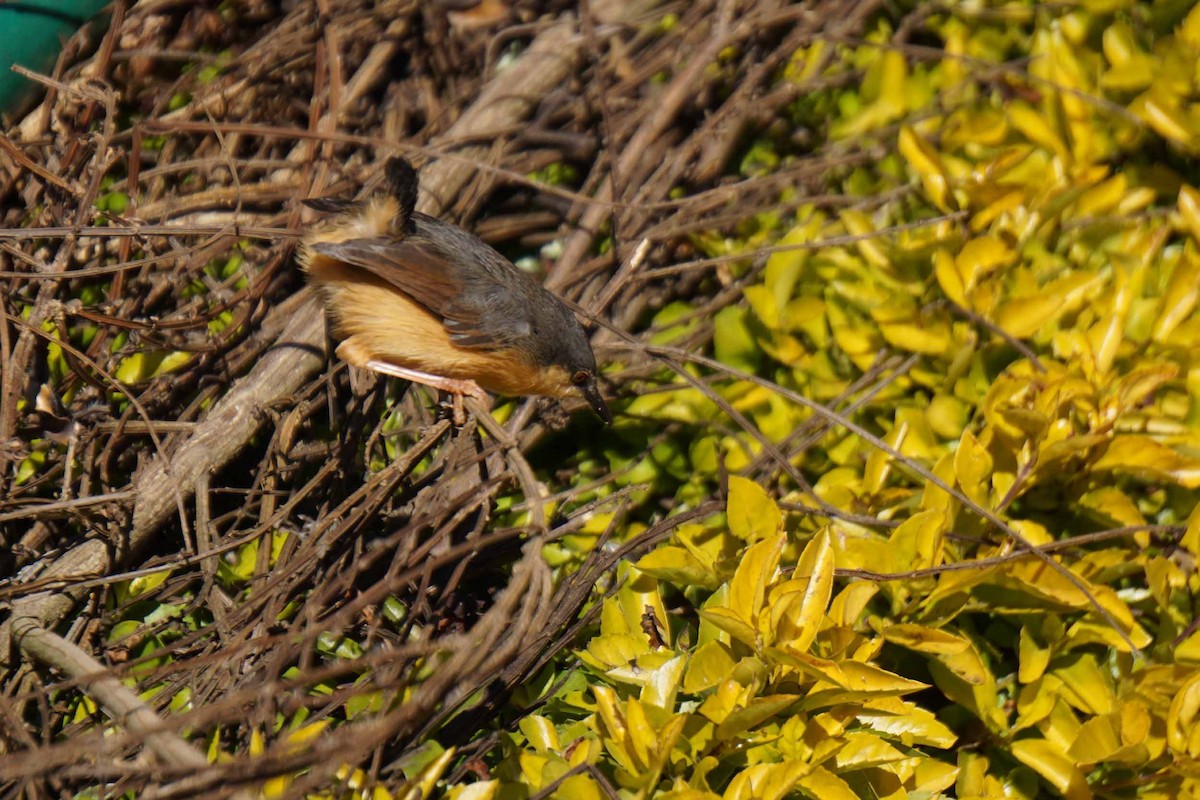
(421, 299)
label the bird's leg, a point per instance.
(457, 387)
(457, 412)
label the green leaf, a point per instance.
(733, 343)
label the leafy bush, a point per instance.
(1028, 238)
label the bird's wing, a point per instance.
(483, 313)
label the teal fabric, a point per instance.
(31, 33)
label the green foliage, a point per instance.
(1048, 301)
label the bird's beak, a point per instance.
(591, 393)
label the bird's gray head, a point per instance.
(563, 347)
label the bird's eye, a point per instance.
(581, 377)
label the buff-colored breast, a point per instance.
(378, 322)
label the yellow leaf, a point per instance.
(765, 781)
(679, 791)
(905, 722)
(614, 620)
(1025, 316)
(789, 256)
(925, 640)
(641, 594)
(642, 737)
(806, 315)
(1036, 579)
(615, 649)
(213, 753)
(1179, 300)
(1096, 631)
(949, 279)
(1035, 126)
(918, 542)
(732, 624)
(934, 777)
(307, 733)
(142, 366)
(1188, 651)
(257, 743)
(662, 684)
(926, 337)
(1188, 205)
(729, 696)
(276, 787)
(540, 732)
(824, 785)
(762, 302)
(705, 544)
(934, 498)
(678, 566)
(1006, 205)
(967, 665)
(879, 463)
(893, 79)
(1109, 331)
(144, 584)
(1191, 532)
(753, 714)
(863, 680)
(1189, 30)
(173, 361)
(918, 441)
(860, 342)
(1104, 197)
(752, 513)
(1183, 719)
(1036, 701)
(1085, 685)
(859, 224)
(864, 750)
(1034, 657)
(980, 699)
(1097, 741)
(427, 780)
(486, 790)
(757, 568)
(980, 257)
(797, 615)
(973, 125)
(1112, 507)
(1167, 119)
(848, 606)
(710, 664)
(1147, 458)
(668, 735)
(923, 158)
(1049, 762)
(536, 768)
(1118, 44)
(610, 717)
(135, 368)
(733, 340)
(973, 468)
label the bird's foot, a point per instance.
(456, 387)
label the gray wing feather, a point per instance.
(482, 306)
